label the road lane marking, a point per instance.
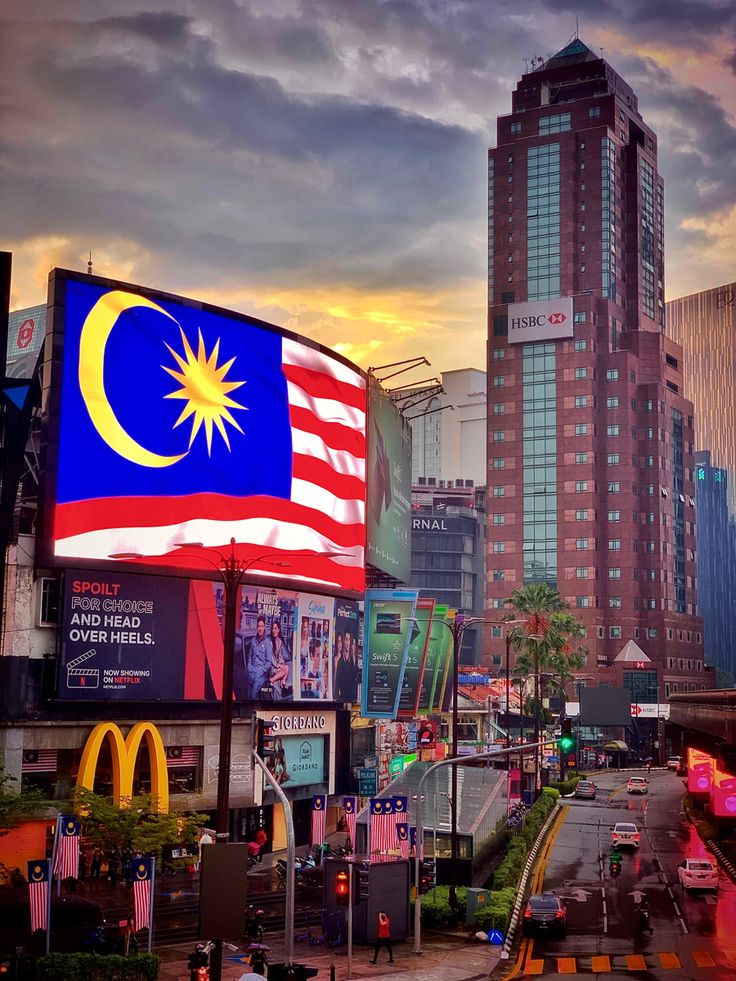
(600, 964)
(519, 961)
(534, 967)
(566, 965)
(703, 959)
(668, 959)
(635, 962)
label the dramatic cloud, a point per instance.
(321, 163)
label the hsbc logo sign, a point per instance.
(541, 321)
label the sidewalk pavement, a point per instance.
(444, 957)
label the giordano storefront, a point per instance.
(177, 763)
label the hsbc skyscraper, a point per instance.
(590, 437)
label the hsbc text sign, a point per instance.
(544, 320)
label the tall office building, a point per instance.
(704, 324)
(590, 454)
(716, 561)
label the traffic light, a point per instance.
(427, 877)
(342, 887)
(363, 883)
(566, 742)
(265, 738)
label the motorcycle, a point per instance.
(614, 864)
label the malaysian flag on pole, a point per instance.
(66, 859)
(383, 829)
(142, 869)
(319, 818)
(212, 388)
(350, 806)
(402, 833)
(400, 809)
(38, 893)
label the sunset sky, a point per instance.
(321, 164)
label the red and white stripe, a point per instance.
(189, 756)
(38, 893)
(383, 832)
(45, 761)
(326, 512)
(351, 821)
(404, 846)
(142, 902)
(319, 823)
(66, 862)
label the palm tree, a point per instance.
(547, 630)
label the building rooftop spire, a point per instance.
(574, 52)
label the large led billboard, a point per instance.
(174, 423)
(389, 486)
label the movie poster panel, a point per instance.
(445, 671)
(297, 761)
(122, 637)
(389, 486)
(315, 647)
(346, 661)
(389, 617)
(264, 643)
(415, 661)
(435, 646)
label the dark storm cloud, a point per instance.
(731, 62)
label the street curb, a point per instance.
(722, 860)
(508, 943)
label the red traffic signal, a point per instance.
(342, 887)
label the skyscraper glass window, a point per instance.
(540, 463)
(543, 221)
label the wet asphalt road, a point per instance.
(694, 934)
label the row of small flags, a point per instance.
(64, 864)
(387, 829)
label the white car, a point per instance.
(637, 785)
(697, 873)
(624, 833)
(673, 762)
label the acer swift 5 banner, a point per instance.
(439, 637)
(411, 687)
(176, 426)
(389, 625)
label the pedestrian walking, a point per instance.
(383, 938)
(95, 864)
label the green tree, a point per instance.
(17, 806)
(137, 827)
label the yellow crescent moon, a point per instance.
(95, 332)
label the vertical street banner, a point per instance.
(416, 658)
(319, 819)
(142, 874)
(350, 806)
(389, 618)
(436, 644)
(382, 829)
(402, 834)
(346, 655)
(38, 893)
(66, 857)
(445, 668)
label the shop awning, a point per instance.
(617, 746)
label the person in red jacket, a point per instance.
(383, 938)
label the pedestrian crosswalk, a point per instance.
(616, 963)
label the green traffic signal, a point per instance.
(566, 743)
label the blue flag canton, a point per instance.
(141, 869)
(69, 826)
(318, 802)
(400, 805)
(402, 831)
(349, 805)
(142, 404)
(38, 871)
(382, 806)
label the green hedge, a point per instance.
(436, 910)
(97, 967)
(506, 877)
(566, 787)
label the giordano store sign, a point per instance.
(124, 752)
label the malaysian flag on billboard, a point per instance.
(66, 854)
(319, 818)
(38, 893)
(383, 825)
(402, 834)
(142, 869)
(350, 806)
(236, 431)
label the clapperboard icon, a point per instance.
(77, 677)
